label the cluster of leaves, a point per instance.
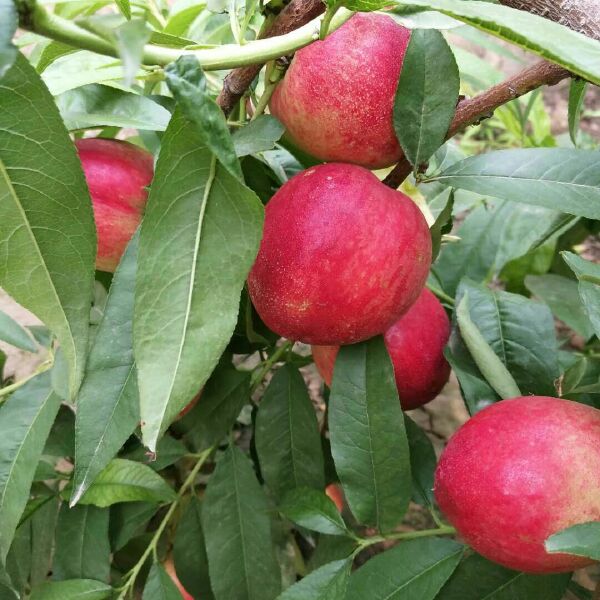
(99, 481)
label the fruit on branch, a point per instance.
(170, 569)
(117, 174)
(336, 99)
(342, 257)
(334, 491)
(416, 346)
(518, 472)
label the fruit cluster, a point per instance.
(344, 258)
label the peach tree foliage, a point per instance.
(113, 482)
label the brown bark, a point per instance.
(296, 14)
(580, 15)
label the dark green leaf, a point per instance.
(12, 333)
(588, 274)
(189, 552)
(441, 226)
(314, 510)
(128, 520)
(557, 178)
(415, 569)
(258, 135)
(61, 441)
(326, 583)
(331, 548)
(43, 524)
(127, 481)
(98, 105)
(557, 43)
(562, 296)
(368, 439)
(427, 95)
(8, 26)
(107, 406)
(192, 203)
(477, 578)
(168, 451)
(160, 586)
(581, 540)
(287, 440)
(422, 462)
(47, 231)
(25, 421)
(75, 589)
(187, 82)
(82, 547)
(576, 97)
(237, 530)
(131, 37)
(18, 561)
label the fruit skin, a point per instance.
(117, 174)
(342, 257)
(416, 346)
(170, 569)
(336, 99)
(188, 407)
(518, 472)
(334, 491)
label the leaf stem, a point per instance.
(258, 376)
(327, 17)
(406, 535)
(272, 78)
(9, 389)
(132, 575)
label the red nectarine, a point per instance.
(334, 491)
(342, 256)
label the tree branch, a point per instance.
(296, 14)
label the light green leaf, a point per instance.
(329, 582)
(12, 333)
(51, 52)
(108, 401)
(581, 540)
(25, 420)
(427, 95)
(314, 510)
(131, 37)
(8, 26)
(258, 135)
(187, 82)
(203, 228)
(368, 439)
(74, 589)
(287, 436)
(557, 43)
(558, 178)
(97, 105)
(588, 274)
(576, 97)
(127, 481)
(47, 232)
(414, 569)
(124, 7)
(82, 547)
(237, 529)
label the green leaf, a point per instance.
(237, 530)
(491, 236)
(43, 525)
(576, 97)
(127, 481)
(97, 105)
(124, 7)
(314, 510)
(47, 231)
(18, 561)
(168, 451)
(25, 420)
(128, 520)
(422, 462)
(414, 569)
(562, 179)
(492, 368)
(131, 37)
(187, 82)
(581, 540)
(287, 436)
(189, 552)
(562, 296)
(75, 589)
(8, 26)
(258, 135)
(477, 578)
(368, 439)
(588, 274)
(12, 333)
(82, 548)
(160, 586)
(223, 397)
(570, 49)
(441, 226)
(520, 332)
(193, 201)
(51, 52)
(426, 96)
(331, 548)
(107, 406)
(326, 583)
